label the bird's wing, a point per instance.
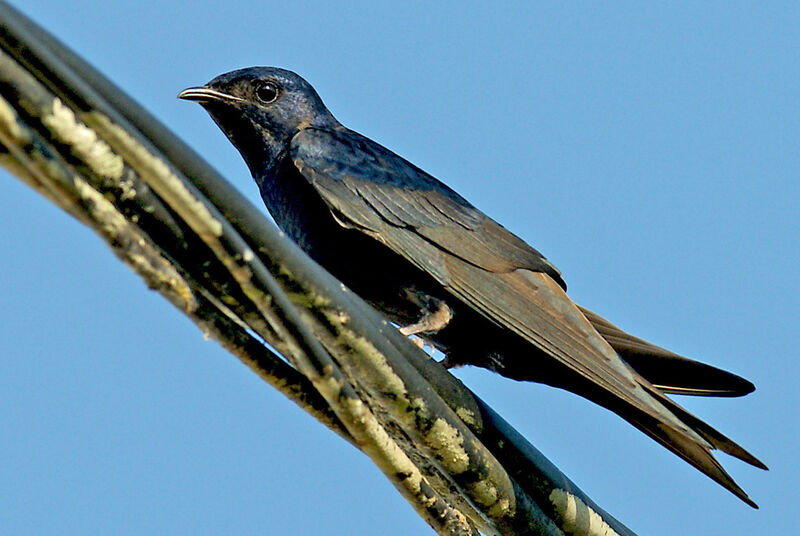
(369, 188)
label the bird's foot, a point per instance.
(435, 313)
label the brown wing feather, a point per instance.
(371, 185)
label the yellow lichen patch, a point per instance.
(467, 416)
(242, 274)
(376, 443)
(84, 141)
(418, 404)
(328, 385)
(385, 380)
(159, 176)
(501, 508)
(342, 317)
(8, 120)
(306, 296)
(446, 442)
(577, 518)
(137, 252)
(127, 187)
(229, 300)
(484, 492)
(440, 438)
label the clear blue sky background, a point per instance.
(651, 152)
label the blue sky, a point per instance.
(649, 151)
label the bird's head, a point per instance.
(260, 109)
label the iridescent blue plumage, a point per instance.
(413, 247)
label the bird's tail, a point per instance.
(689, 449)
(660, 371)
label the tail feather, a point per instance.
(695, 440)
(718, 440)
(694, 453)
(669, 372)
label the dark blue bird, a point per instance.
(438, 266)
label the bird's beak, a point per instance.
(204, 94)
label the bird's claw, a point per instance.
(436, 314)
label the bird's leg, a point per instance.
(435, 315)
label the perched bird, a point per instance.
(438, 266)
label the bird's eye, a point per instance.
(267, 92)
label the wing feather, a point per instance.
(371, 185)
